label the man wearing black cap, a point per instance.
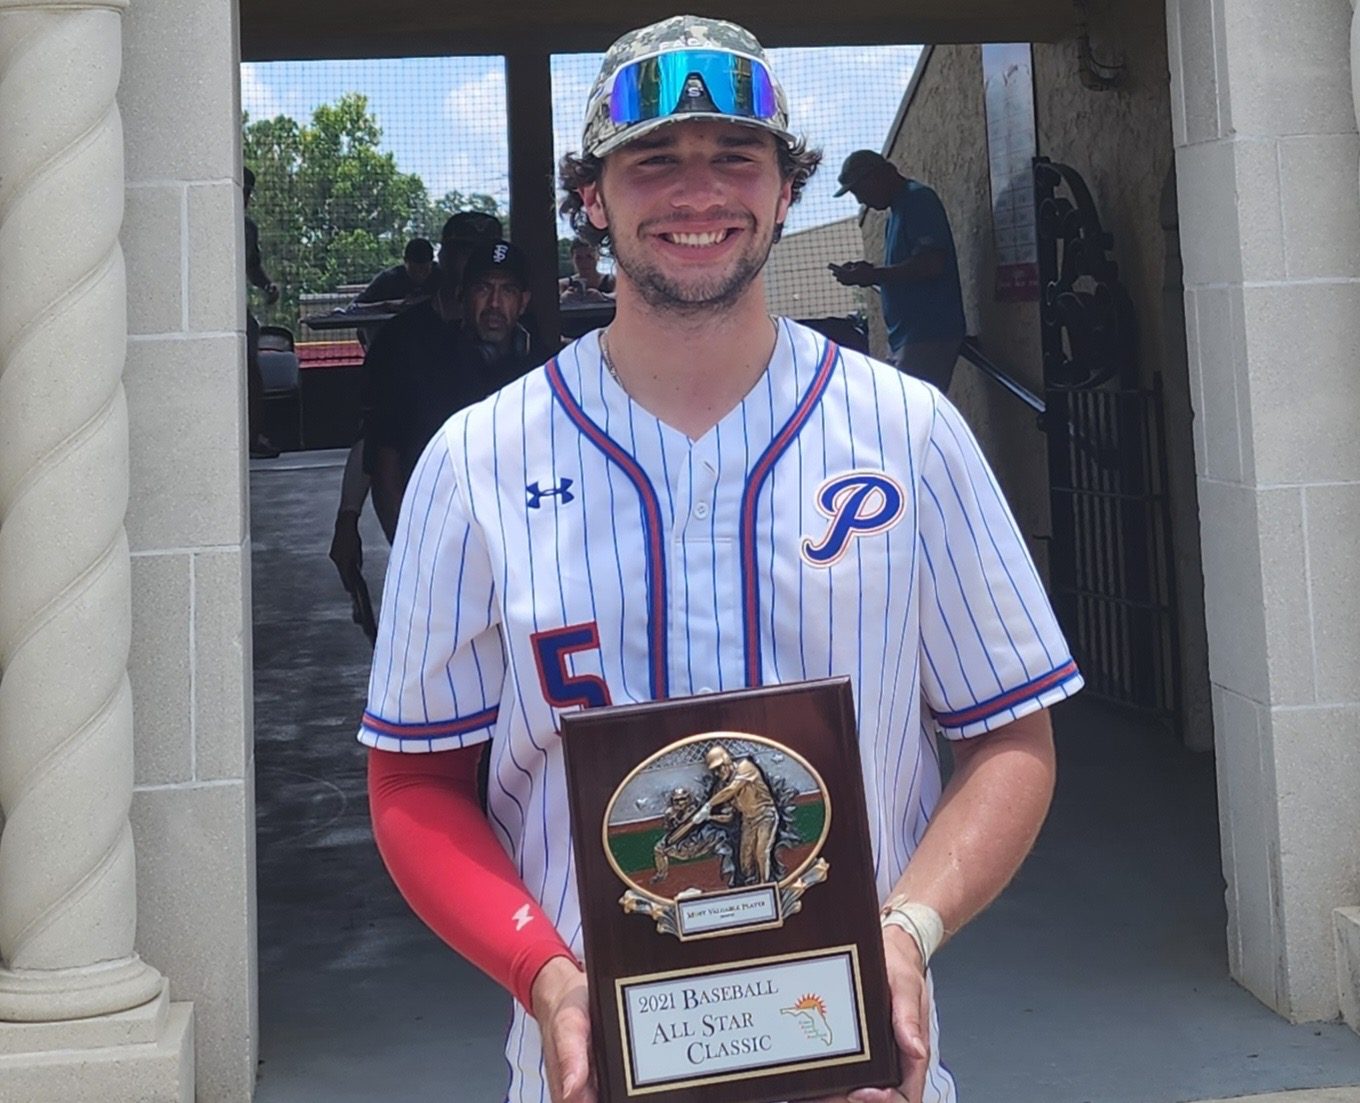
(919, 277)
(438, 367)
(417, 332)
(461, 234)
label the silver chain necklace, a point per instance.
(609, 360)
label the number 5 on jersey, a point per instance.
(561, 688)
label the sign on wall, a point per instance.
(1008, 88)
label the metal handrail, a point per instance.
(972, 352)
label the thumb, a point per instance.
(571, 1055)
(907, 1027)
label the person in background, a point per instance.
(261, 447)
(400, 287)
(416, 327)
(586, 284)
(919, 276)
(462, 233)
(430, 373)
(404, 284)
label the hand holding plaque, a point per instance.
(726, 970)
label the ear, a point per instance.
(593, 203)
(785, 202)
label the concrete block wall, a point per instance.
(188, 525)
(1267, 156)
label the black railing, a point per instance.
(1111, 569)
(972, 352)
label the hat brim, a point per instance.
(638, 130)
(850, 185)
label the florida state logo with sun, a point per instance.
(810, 1013)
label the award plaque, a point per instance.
(732, 940)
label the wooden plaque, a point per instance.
(732, 941)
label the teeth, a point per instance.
(711, 238)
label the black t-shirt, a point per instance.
(419, 372)
(395, 283)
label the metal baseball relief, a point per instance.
(717, 834)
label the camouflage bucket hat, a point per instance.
(678, 34)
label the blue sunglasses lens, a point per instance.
(692, 80)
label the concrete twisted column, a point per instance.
(67, 872)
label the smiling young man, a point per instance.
(701, 498)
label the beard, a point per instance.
(696, 293)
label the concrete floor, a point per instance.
(1100, 975)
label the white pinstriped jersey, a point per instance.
(559, 546)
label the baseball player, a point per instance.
(701, 498)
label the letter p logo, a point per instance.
(858, 503)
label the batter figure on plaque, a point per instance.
(742, 788)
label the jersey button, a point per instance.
(701, 510)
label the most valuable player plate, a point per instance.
(731, 929)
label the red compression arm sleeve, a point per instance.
(441, 852)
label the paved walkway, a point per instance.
(1099, 976)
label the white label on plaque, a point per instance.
(778, 1014)
(725, 911)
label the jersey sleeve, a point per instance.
(991, 648)
(438, 664)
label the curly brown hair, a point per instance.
(797, 163)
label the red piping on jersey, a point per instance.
(985, 709)
(658, 676)
(461, 726)
(750, 582)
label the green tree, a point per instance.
(333, 208)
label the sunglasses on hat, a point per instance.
(682, 81)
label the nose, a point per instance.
(699, 186)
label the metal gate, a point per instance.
(1110, 558)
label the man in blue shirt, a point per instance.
(919, 277)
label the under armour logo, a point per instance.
(858, 503)
(561, 490)
(499, 253)
(523, 917)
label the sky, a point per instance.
(444, 118)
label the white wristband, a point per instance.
(921, 921)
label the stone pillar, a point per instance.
(1267, 159)
(67, 870)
